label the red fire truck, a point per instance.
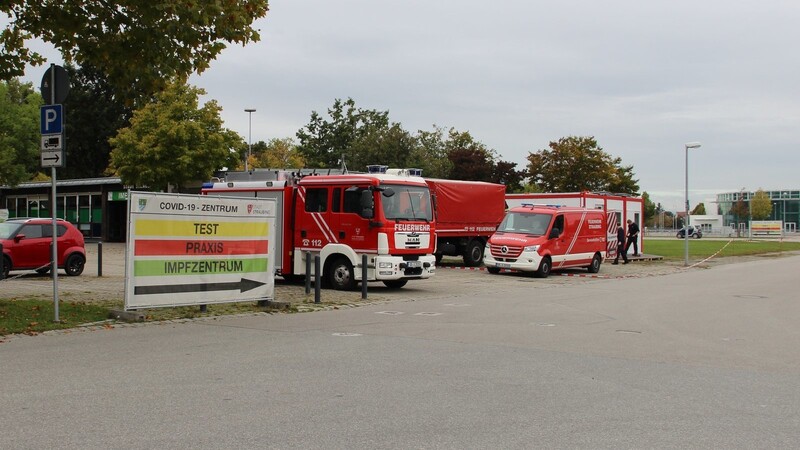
(341, 217)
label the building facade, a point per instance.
(98, 207)
(785, 207)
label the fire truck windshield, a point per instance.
(407, 203)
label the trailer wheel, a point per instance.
(340, 275)
(494, 270)
(473, 254)
(544, 268)
(395, 284)
(595, 266)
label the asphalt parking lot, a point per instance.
(451, 278)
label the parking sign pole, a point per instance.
(54, 209)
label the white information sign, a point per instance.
(197, 250)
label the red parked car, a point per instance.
(26, 245)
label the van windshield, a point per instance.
(525, 223)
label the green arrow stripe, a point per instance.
(170, 267)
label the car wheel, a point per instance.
(395, 284)
(74, 264)
(6, 266)
(473, 255)
(494, 270)
(595, 266)
(544, 268)
(340, 275)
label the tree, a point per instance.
(390, 146)
(172, 142)
(698, 210)
(471, 159)
(760, 205)
(19, 131)
(94, 113)
(740, 210)
(138, 44)
(574, 164)
(325, 143)
(430, 154)
(505, 172)
(277, 153)
(649, 208)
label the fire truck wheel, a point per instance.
(395, 284)
(473, 254)
(595, 266)
(340, 275)
(494, 270)
(544, 268)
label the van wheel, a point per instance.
(74, 264)
(544, 268)
(473, 254)
(494, 270)
(595, 266)
(395, 284)
(340, 275)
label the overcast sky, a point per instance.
(642, 77)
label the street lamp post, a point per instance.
(686, 197)
(249, 112)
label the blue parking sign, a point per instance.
(52, 119)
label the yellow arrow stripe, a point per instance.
(200, 228)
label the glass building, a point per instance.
(785, 207)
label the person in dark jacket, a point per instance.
(621, 245)
(633, 237)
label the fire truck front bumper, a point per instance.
(398, 268)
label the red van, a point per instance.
(538, 239)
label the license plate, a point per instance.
(503, 265)
(413, 264)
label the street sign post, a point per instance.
(54, 88)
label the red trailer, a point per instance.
(467, 214)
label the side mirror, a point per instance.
(19, 237)
(554, 233)
(367, 204)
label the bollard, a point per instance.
(2, 263)
(203, 308)
(363, 277)
(308, 273)
(99, 258)
(317, 280)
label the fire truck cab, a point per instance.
(340, 218)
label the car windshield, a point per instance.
(8, 229)
(535, 224)
(407, 203)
